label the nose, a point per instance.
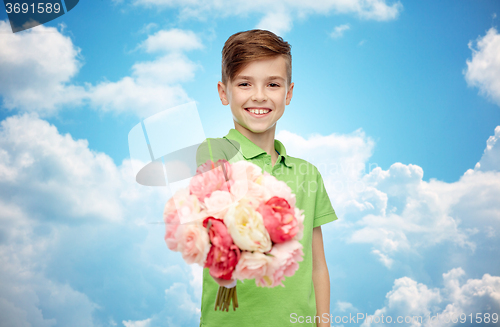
(259, 94)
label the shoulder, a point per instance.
(302, 166)
(215, 149)
(218, 145)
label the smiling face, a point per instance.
(257, 95)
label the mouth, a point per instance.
(258, 111)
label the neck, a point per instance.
(264, 140)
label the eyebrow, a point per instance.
(251, 78)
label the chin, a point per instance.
(257, 130)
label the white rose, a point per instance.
(187, 205)
(275, 187)
(246, 227)
(252, 265)
(239, 189)
(244, 170)
(194, 243)
(217, 203)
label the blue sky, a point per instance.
(412, 88)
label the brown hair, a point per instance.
(244, 47)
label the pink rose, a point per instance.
(251, 191)
(223, 255)
(285, 263)
(219, 164)
(182, 207)
(218, 234)
(170, 212)
(188, 207)
(256, 193)
(193, 243)
(202, 185)
(170, 236)
(239, 189)
(217, 203)
(252, 265)
(274, 187)
(279, 219)
(244, 170)
(171, 219)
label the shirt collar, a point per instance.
(250, 149)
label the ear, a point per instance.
(221, 88)
(289, 94)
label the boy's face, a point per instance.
(258, 94)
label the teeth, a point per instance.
(259, 111)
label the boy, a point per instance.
(256, 84)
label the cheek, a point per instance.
(280, 97)
(238, 98)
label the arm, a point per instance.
(321, 279)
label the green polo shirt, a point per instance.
(278, 306)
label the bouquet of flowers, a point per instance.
(238, 222)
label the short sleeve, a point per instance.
(324, 212)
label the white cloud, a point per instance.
(64, 210)
(491, 157)
(56, 178)
(196, 281)
(139, 323)
(338, 31)
(385, 259)
(154, 85)
(483, 70)
(419, 303)
(148, 27)
(473, 202)
(278, 22)
(183, 299)
(50, 183)
(341, 156)
(169, 69)
(129, 96)
(395, 211)
(341, 159)
(179, 309)
(173, 40)
(474, 296)
(278, 16)
(411, 214)
(379, 10)
(36, 67)
(341, 306)
(40, 167)
(28, 297)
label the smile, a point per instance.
(258, 111)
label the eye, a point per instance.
(274, 85)
(243, 84)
